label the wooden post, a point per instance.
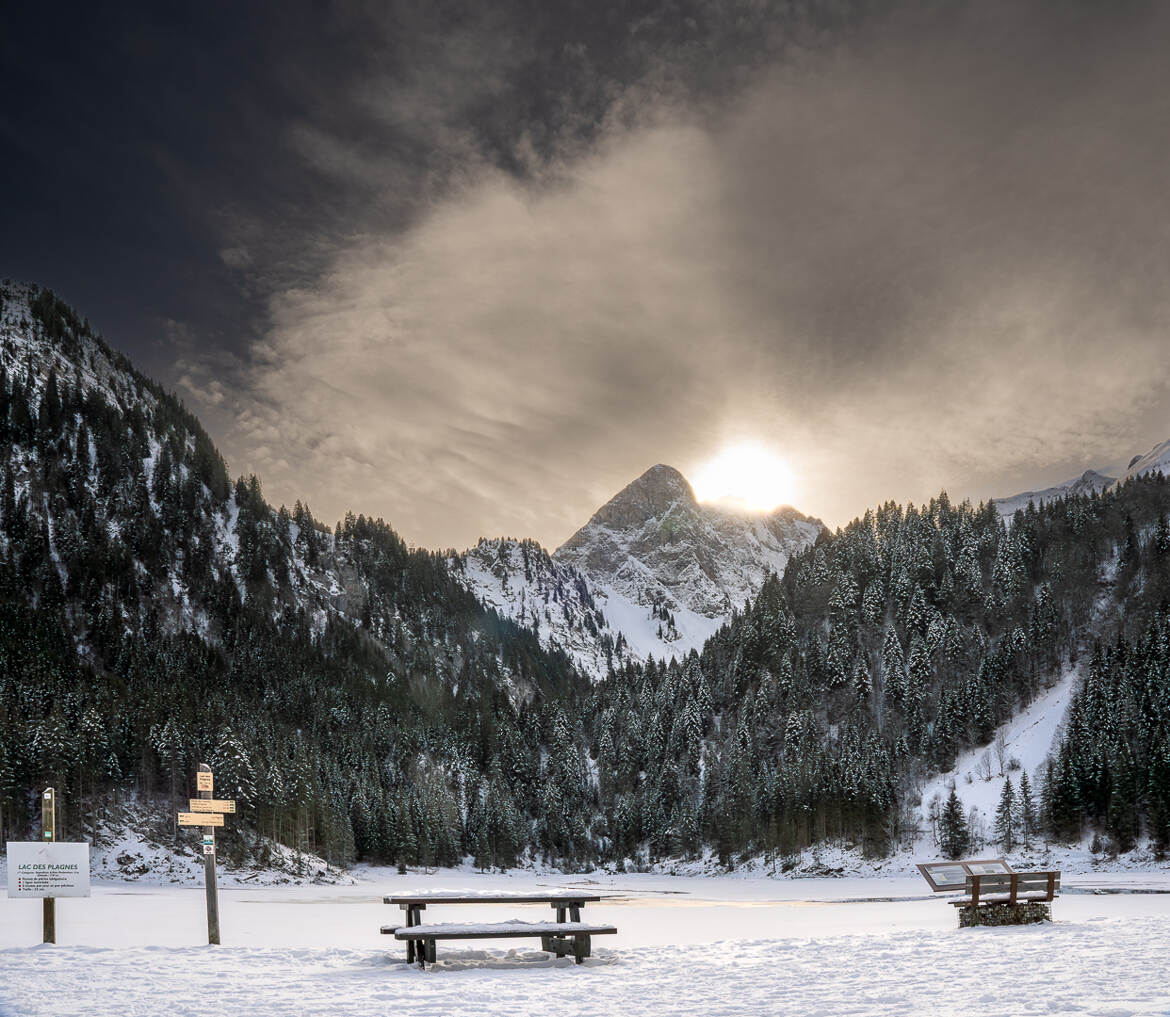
(207, 790)
(48, 835)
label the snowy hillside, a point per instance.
(522, 582)
(1022, 745)
(155, 615)
(318, 581)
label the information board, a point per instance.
(58, 869)
(953, 875)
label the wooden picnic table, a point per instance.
(567, 933)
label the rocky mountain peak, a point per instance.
(651, 496)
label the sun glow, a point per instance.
(748, 476)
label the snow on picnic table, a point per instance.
(514, 928)
(689, 946)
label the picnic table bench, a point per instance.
(993, 894)
(568, 934)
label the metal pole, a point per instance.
(209, 873)
(49, 835)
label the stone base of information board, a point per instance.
(1004, 914)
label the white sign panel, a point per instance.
(48, 870)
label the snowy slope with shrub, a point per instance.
(1022, 745)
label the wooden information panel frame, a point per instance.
(944, 876)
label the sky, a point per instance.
(473, 267)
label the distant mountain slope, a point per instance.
(1088, 482)
(1092, 481)
(1156, 460)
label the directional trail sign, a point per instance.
(227, 805)
(200, 819)
(208, 813)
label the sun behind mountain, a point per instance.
(748, 476)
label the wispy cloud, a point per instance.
(933, 256)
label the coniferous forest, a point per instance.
(360, 704)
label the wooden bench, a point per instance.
(568, 934)
(560, 938)
(1014, 898)
(992, 893)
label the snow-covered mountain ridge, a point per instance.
(1092, 481)
(1156, 460)
(653, 573)
(1087, 483)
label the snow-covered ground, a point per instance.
(690, 946)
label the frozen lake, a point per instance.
(702, 946)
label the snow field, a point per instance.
(688, 946)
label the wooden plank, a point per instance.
(536, 930)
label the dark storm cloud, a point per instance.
(498, 259)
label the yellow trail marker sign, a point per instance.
(200, 819)
(213, 805)
(204, 781)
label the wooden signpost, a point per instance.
(49, 835)
(208, 813)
